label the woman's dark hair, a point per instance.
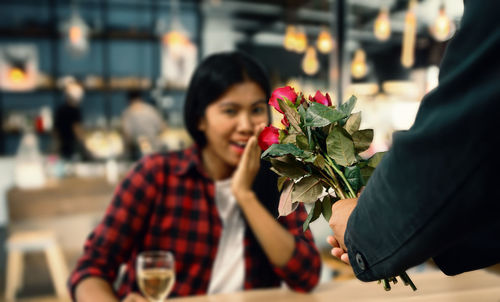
(212, 78)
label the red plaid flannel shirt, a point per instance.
(167, 203)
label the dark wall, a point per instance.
(124, 43)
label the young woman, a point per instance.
(212, 205)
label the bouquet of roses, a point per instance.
(317, 156)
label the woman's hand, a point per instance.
(134, 297)
(248, 167)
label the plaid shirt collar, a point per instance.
(191, 161)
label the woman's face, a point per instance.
(230, 121)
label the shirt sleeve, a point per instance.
(301, 272)
(111, 242)
(434, 187)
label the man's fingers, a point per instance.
(337, 252)
(345, 258)
(332, 241)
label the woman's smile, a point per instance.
(229, 122)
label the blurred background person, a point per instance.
(142, 124)
(68, 128)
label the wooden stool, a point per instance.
(21, 242)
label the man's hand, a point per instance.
(341, 211)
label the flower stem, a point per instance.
(387, 286)
(407, 280)
(351, 192)
(337, 186)
(333, 182)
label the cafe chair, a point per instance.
(21, 242)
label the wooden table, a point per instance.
(432, 286)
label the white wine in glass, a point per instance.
(155, 274)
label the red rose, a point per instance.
(282, 93)
(285, 121)
(270, 135)
(322, 99)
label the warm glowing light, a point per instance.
(300, 41)
(382, 27)
(325, 41)
(409, 36)
(17, 75)
(176, 41)
(175, 38)
(310, 63)
(443, 28)
(358, 65)
(75, 34)
(289, 41)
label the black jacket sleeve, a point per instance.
(433, 195)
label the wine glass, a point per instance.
(155, 274)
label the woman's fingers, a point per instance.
(258, 129)
(134, 297)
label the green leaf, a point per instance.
(282, 149)
(353, 123)
(362, 139)
(319, 115)
(353, 176)
(366, 172)
(326, 205)
(286, 206)
(282, 135)
(281, 182)
(302, 142)
(302, 112)
(289, 139)
(307, 190)
(319, 161)
(348, 106)
(375, 159)
(291, 114)
(340, 147)
(313, 215)
(288, 166)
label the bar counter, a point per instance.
(432, 286)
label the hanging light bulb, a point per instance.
(443, 28)
(289, 40)
(409, 36)
(325, 41)
(310, 63)
(300, 41)
(76, 33)
(382, 27)
(176, 39)
(358, 64)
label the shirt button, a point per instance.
(360, 261)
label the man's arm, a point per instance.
(434, 185)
